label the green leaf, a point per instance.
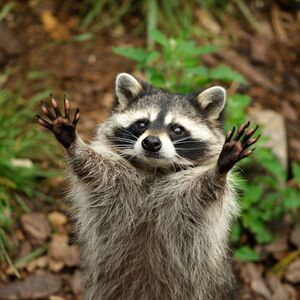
(159, 37)
(252, 220)
(245, 253)
(206, 49)
(137, 54)
(199, 71)
(236, 232)
(225, 73)
(6, 9)
(38, 74)
(252, 196)
(296, 171)
(291, 198)
(83, 37)
(268, 161)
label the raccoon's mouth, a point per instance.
(152, 154)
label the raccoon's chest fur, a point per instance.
(145, 239)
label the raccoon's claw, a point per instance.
(234, 149)
(61, 125)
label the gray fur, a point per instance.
(152, 233)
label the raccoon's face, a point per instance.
(159, 129)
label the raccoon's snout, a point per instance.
(151, 143)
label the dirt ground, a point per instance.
(267, 56)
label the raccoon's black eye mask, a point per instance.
(176, 131)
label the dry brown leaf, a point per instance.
(207, 20)
(241, 64)
(277, 25)
(260, 46)
(56, 29)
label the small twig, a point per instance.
(23, 261)
(248, 14)
(281, 266)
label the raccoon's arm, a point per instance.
(96, 170)
(89, 166)
(208, 184)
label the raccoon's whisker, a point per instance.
(186, 142)
(190, 149)
(183, 139)
(130, 133)
(122, 140)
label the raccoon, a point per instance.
(153, 193)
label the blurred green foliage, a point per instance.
(175, 64)
(23, 149)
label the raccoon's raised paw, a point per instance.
(60, 124)
(235, 149)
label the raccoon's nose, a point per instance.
(151, 143)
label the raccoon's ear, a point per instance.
(127, 87)
(212, 101)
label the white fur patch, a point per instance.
(127, 118)
(168, 118)
(167, 150)
(197, 130)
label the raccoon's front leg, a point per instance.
(82, 159)
(235, 149)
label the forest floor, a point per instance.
(44, 45)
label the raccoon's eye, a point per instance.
(142, 124)
(178, 130)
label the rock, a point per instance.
(40, 262)
(249, 272)
(279, 292)
(293, 293)
(260, 287)
(292, 273)
(76, 283)
(252, 275)
(55, 265)
(295, 236)
(35, 286)
(58, 247)
(60, 251)
(278, 247)
(56, 298)
(273, 127)
(57, 220)
(36, 226)
(289, 112)
(72, 257)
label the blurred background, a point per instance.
(77, 48)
